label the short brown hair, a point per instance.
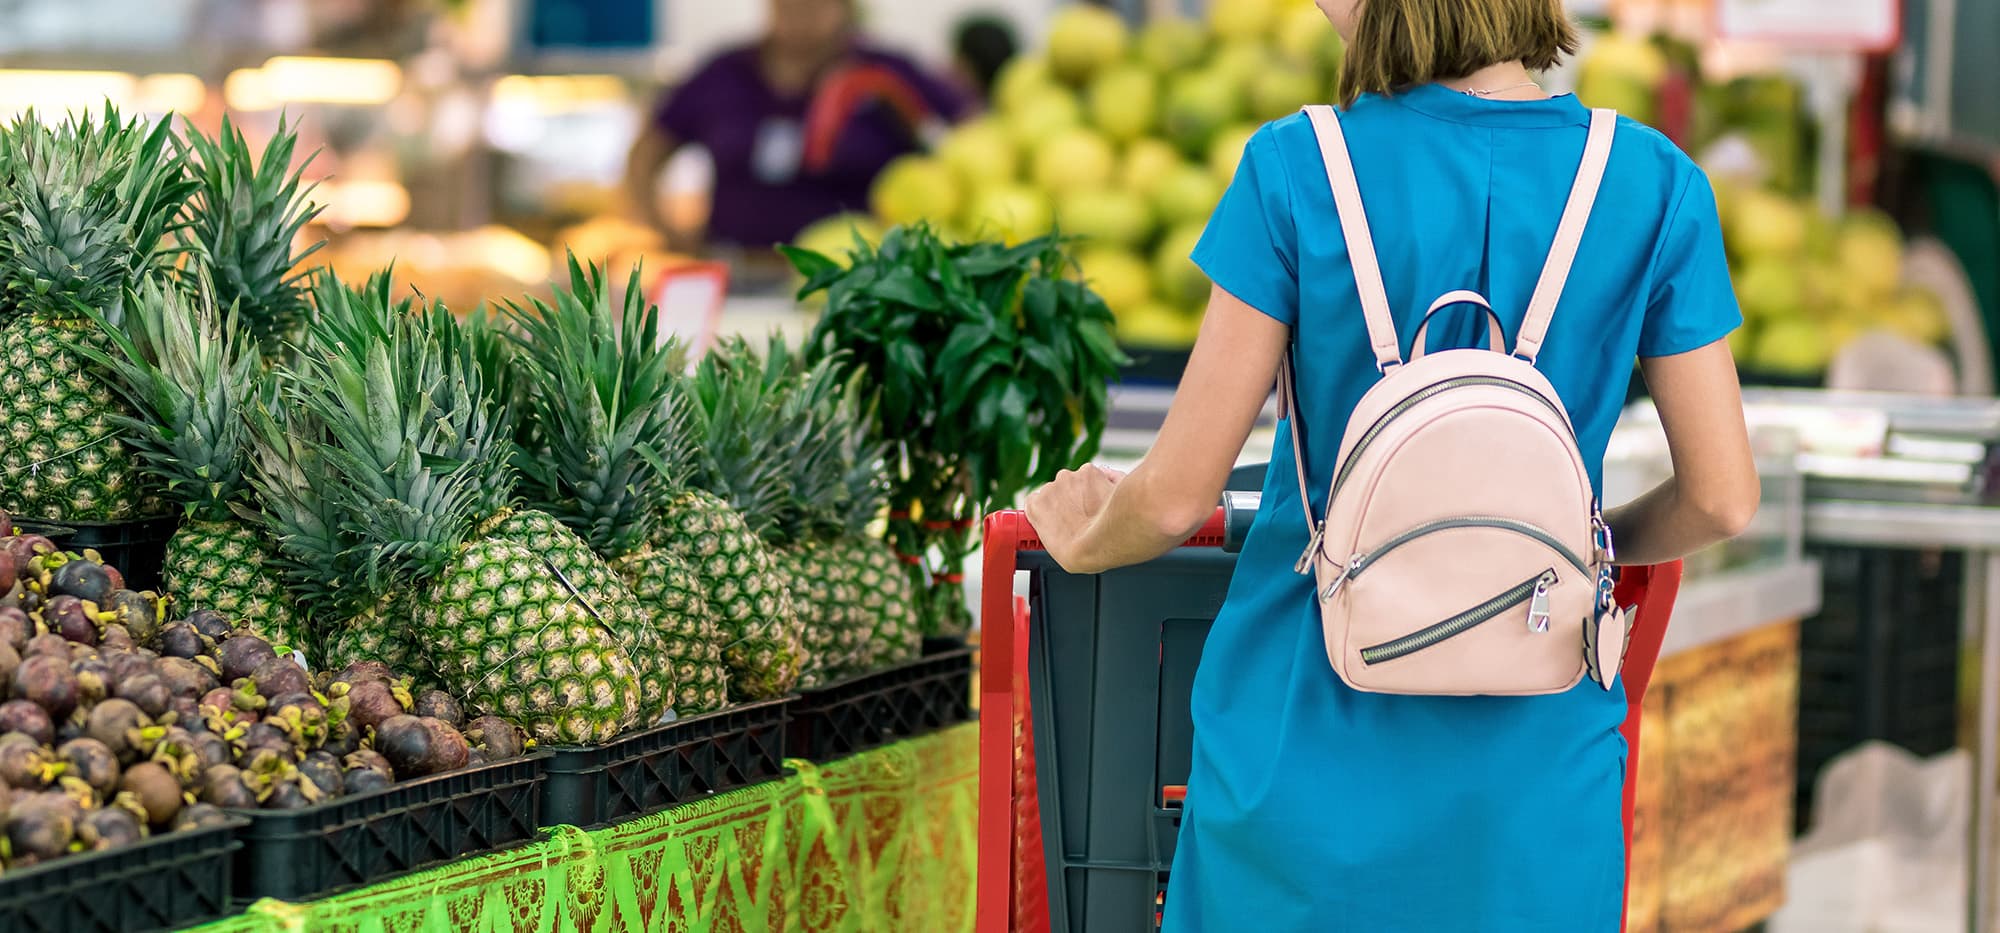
(1400, 44)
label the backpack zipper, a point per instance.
(1426, 394)
(1361, 562)
(1534, 590)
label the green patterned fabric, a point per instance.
(885, 840)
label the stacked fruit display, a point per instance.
(1124, 140)
(545, 514)
(1808, 283)
(118, 724)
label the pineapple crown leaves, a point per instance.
(183, 366)
(95, 203)
(246, 217)
(779, 438)
(738, 418)
(408, 453)
(606, 449)
(302, 511)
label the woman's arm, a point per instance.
(650, 152)
(1714, 492)
(1095, 520)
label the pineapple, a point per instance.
(90, 204)
(246, 221)
(389, 469)
(838, 485)
(190, 376)
(604, 449)
(759, 433)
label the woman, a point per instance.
(1313, 806)
(798, 125)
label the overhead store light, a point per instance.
(365, 203)
(171, 93)
(54, 93)
(354, 82)
(555, 93)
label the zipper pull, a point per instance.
(1304, 565)
(1538, 607)
(1333, 589)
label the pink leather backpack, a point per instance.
(1462, 551)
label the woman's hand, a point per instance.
(1064, 511)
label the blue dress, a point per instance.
(1313, 807)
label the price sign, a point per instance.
(690, 299)
(1857, 25)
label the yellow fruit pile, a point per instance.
(1809, 284)
(1125, 141)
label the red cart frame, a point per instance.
(1012, 879)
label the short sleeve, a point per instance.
(1250, 248)
(681, 114)
(1693, 303)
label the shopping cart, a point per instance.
(1085, 747)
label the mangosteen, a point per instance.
(158, 791)
(415, 749)
(200, 816)
(93, 678)
(47, 682)
(439, 705)
(361, 671)
(342, 739)
(185, 678)
(27, 547)
(25, 765)
(109, 829)
(305, 703)
(372, 702)
(180, 640)
(16, 628)
(27, 719)
(211, 749)
(6, 524)
(277, 676)
(264, 735)
(148, 691)
(69, 617)
(83, 579)
(37, 829)
(211, 623)
(241, 655)
(116, 635)
(363, 780)
(126, 665)
(120, 725)
(10, 571)
(9, 660)
(47, 644)
(497, 737)
(223, 786)
(184, 710)
(92, 761)
(290, 794)
(324, 771)
(139, 613)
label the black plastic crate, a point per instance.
(137, 549)
(297, 855)
(166, 882)
(905, 701)
(667, 765)
(1881, 660)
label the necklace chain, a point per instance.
(1475, 92)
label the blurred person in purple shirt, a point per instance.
(798, 125)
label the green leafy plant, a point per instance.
(990, 367)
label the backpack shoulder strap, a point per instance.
(1569, 236)
(1360, 243)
